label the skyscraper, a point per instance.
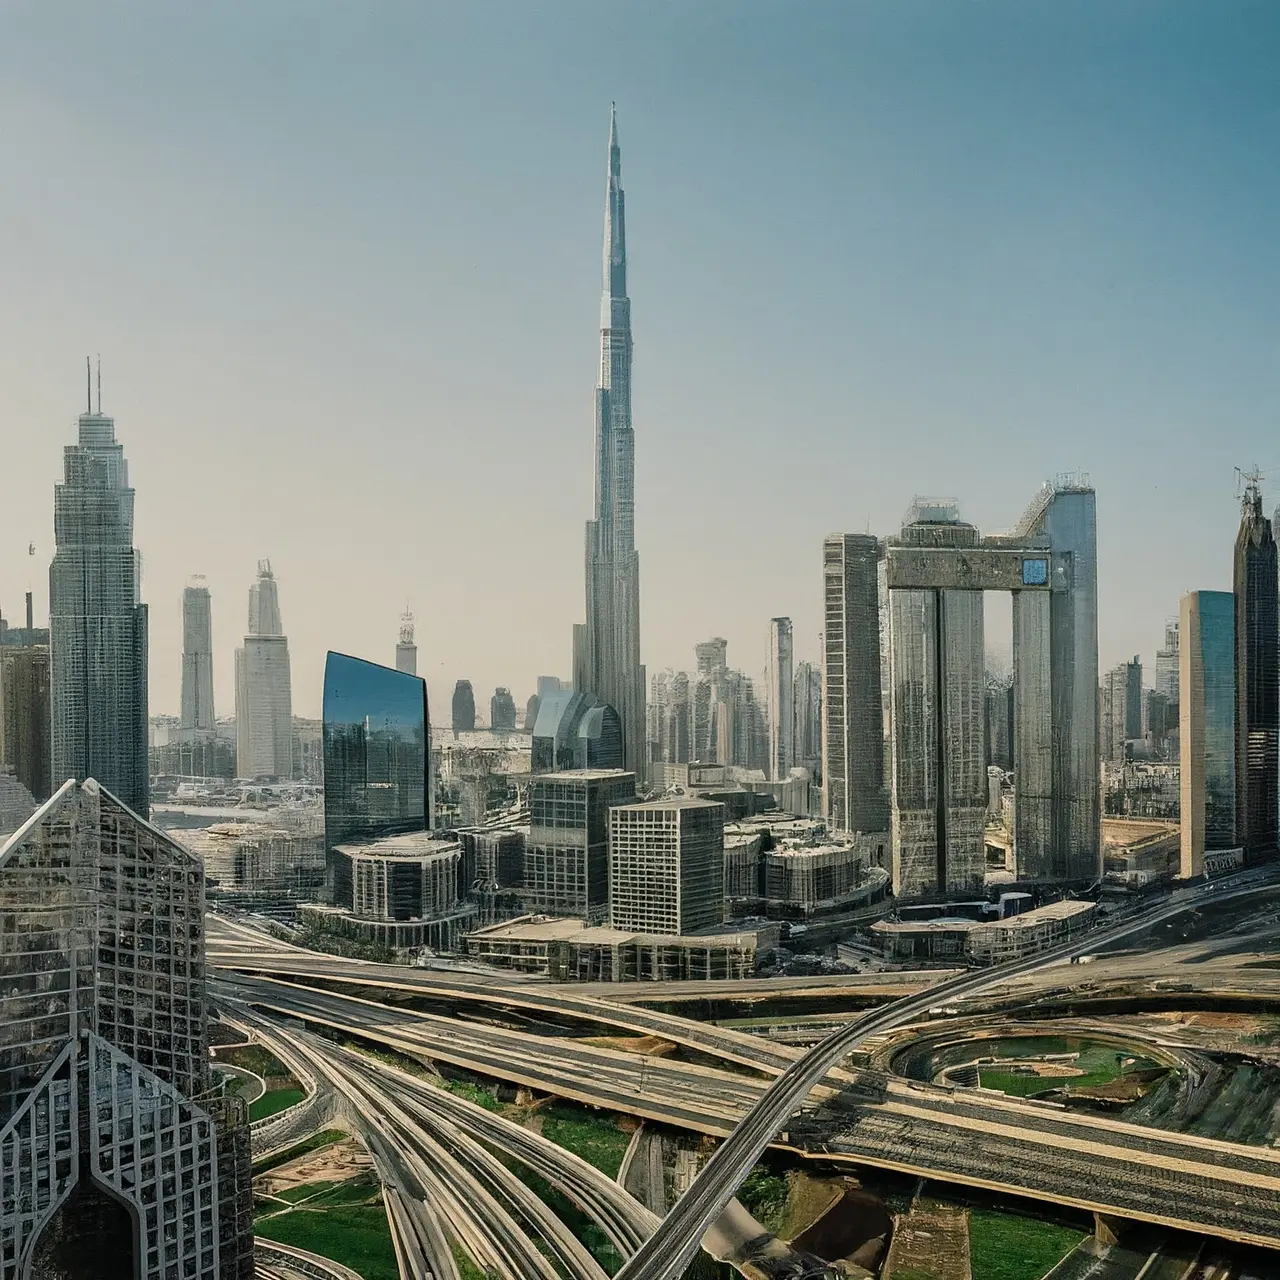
(197, 657)
(463, 708)
(1167, 662)
(855, 798)
(97, 623)
(606, 658)
(24, 716)
(1207, 753)
(1257, 661)
(1121, 709)
(781, 694)
(808, 704)
(122, 1158)
(939, 749)
(264, 693)
(502, 709)
(406, 650)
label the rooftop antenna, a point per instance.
(1248, 483)
(88, 384)
(99, 383)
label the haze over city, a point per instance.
(343, 272)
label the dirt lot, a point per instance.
(338, 1163)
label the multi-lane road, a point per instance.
(959, 1135)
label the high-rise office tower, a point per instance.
(97, 623)
(122, 1157)
(502, 709)
(566, 862)
(464, 707)
(1207, 751)
(666, 866)
(1167, 662)
(712, 657)
(197, 657)
(24, 716)
(808, 705)
(1257, 658)
(406, 650)
(855, 798)
(781, 693)
(939, 752)
(1121, 709)
(606, 658)
(999, 721)
(264, 692)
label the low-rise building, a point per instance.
(571, 951)
(1031, 931)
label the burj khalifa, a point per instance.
(606, 648)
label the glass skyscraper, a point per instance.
(1207, 654)
(377, 755)
(1257, 663)
(97, 623)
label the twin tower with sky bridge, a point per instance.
(928, 582)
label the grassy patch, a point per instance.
(1098, 1063)
(316, 1142)
(354, 1234)
(253, 1057)
(593, 1135)
(477, 1093)
(1006, 1246)
(467, 1268)
(271, 1103)
(765, 1195)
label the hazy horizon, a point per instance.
(343, 270)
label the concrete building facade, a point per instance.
(566, 863)
(853, 775)
(24, 717)
(666, 866)
(264, 688)
(406, 650)
(197, 658)
(781, 699)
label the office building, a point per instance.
(1207, 756)
(808, 710)
(97, 622)
(197, 658)
(935, 573)
(377, 756)
(575, 731)
(1121, 709)
(781, 695)
(1257, 650)
(666, 866)
(606, 649)
(502, 710)
(566, 863)
(24, 717)
(998, 704)
(1167, 663)
(854, 793)
(264, 690)
(406, 650)
(464, 707)
(121, 1156)
(939, 752)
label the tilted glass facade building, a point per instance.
(97, 622)
(1207, 679)
(377, 757)
(120, 1157)
(575, 731)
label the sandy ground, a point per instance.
(338, 1163)
(933, 1239)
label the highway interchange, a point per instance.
(746, 1087)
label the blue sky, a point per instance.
(342, 264)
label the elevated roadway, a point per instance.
(668, 1251)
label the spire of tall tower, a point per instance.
(615, 228)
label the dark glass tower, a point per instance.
(1257, 652)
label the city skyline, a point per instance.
(1163, 291)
